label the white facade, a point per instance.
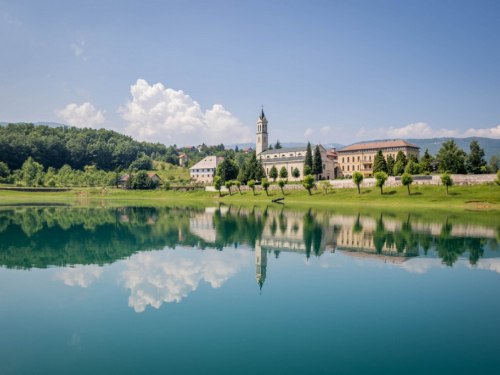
(204, 171)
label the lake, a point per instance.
(117, 288)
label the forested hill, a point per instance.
(57, 146)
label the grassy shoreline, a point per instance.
(469, 197)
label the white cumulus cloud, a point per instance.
(308, 132)
(156, 113)
(325, 129)
(79, 275)
(83, 116)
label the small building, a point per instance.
(248, 150)
(122, 181)
(360, 157)
(204, 171)
(183, 159)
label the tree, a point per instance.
(494, 163)
(218, 183)
(407, 180)
(277, 146)
(451, 158)
(497, 181)
(308, 161)
(228, 186)
(282, 184)
(475, 160)
(402, 158)
(412, 167)
(142, 163)
(227, 170)
(425, 162)
(413, 158)
(251, 185)
(296, 173)
(309, 183)
(236, 149)
(4, 172)
(357, 178)
(307, 170)
(141, 181)
(317, 167)
(238, 185)
(379, 163)
(325, 185)
(265, 185)
(31, 171)
(283, 173)
(381, 179)
(447, 181)
(260, 172)
(399, 168)
(273, 173)
(243, 174)
(390, 165)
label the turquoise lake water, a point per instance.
(245, 290)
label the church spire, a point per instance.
(262, 115)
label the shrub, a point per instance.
(166, 186)
(273, 173)
(296, 173)
(381, 179)
(265, 185)
(251, 185)
(238, 185)
(498, 178)
(218, 183)
(51, 183)
(325, 185)
(447, 181)
(308, 182)
(407, 180)
(283, 173)
(281, 184)
(357, 178)
(228, 186)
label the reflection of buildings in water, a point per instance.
(260, 265)
(202, 225)
(363, 241)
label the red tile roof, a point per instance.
(377, 145)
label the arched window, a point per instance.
(347, 167)
(342, 160)
(348, 159)
(342, 168)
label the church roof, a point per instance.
(285, 149)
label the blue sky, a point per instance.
(198, 71)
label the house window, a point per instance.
(358, 158)
(347, 167)
(365, 157)
(342, 160)
(348, 159)
(299, 154)
(324, 166)
(291, 154)
(342, 168)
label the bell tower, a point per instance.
(260, 264)
(262, 138)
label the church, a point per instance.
(292, 157)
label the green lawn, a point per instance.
(170, 170)
(470, 197)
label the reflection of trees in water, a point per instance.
(312, 234)
(40, 237)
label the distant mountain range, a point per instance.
(286, 144)
(48, 123)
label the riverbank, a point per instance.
(485, 196)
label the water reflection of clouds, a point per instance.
(165, 276)
(79, 275)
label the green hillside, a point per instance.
(491, 146)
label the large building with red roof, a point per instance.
(359, 157)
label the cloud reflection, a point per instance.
(166, 276)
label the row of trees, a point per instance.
(450, 158)
(33, 173)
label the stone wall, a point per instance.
(458, 179)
